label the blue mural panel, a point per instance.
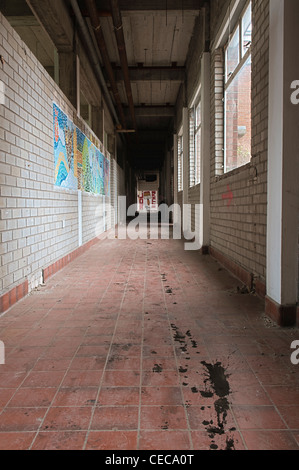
(79, 164)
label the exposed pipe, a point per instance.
(96, 25)
(119, 33)
(94, 57)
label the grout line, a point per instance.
(111, 343)
(67, 370)
(174, 351)
(141, 353)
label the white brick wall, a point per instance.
(38, 221)
(239, 231)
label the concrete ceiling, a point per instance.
(157, 35)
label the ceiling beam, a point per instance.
(55, 18)
(149, 5)
(154, 111)
(120, 39)
(176, 74)
(97, 27)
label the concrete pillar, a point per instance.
(185, 173)
(68, 76)
(175, 168)
(176, 215)
(185, 155)
(205, 162)
(283, 161)
(97, 122)
(168, 198)
(111, 144)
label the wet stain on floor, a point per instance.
(157, 368)
(216, 385)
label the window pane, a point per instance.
(198, 115)
(238, 119)
(197, 154)
(197, 144)
(180, 163)
(191, 148)
(233, 54)
(246, 30)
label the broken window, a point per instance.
(195, 144)
(237, 100)
(180, 163)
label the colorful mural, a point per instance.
(79, 164)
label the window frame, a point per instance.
(197, 131)
(194, 169)
(229, 78)
(180, 151)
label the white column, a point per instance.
(185, 170)
(168, 178)
(185, 173)
(80, 236)
(78, 87)
(205, 163)
(175, 168)
(176, 215)
(283, 160)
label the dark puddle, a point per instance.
(216, 385)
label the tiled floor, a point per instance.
(142, 345)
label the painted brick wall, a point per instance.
(238, 229)
(38, 221)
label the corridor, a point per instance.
(181, 111)
(141, 345)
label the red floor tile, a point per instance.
(290, 415)
(116, 440)
(43, 379)
(163, 417)
(77, 396)
(230, 440)
(161, 396)
(119, 396)
(269, 440)
(258, 417)
(11, 379)
(33, 397)
(61, 440)
(21, 419)
(120, 378)
(151, 348)
(79, 378)
(68, 418)
(164, 440)
(16, 440)
(115, 418)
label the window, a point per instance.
(237, 144)
(197, 141)
(195, 144)
(191, 147)
(180, 163)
